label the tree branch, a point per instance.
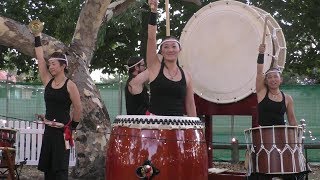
(88, 25)
(120, 6)
(117, 8)
(16, 35)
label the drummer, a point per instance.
(272, 102)
(136, 93)
(170, 85)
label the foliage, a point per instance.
(300, 22)
(59, 17)
(118, 40)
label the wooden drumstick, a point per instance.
(265, 29)
(167, 18)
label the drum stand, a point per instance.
(8, 169)
(247, 106)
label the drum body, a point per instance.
(7, 137)
(275, 150)
(173, 146)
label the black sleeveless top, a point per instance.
(58, 103)
(168, 97)
(136, 104)
(271, 112)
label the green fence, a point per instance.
(22, 101)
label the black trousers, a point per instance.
(58, 175)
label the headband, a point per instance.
(273, 70)
(169, 40)
(129, 67)
(61, 59)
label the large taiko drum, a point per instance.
(157, 147)
(220, 48)
(275, 150)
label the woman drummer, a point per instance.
(170, 85)
(136, 93)
(272, 102)
(60, 94)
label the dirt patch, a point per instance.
(31, 172)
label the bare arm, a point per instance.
(152, 58)
(189, 101)
(137, 83)
(45, 76)
(260, 76)
(75, 99)
(290, 112)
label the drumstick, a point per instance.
(50, 123)
(167, 18)
(264, 29)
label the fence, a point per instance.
(21, 101)
(28, 141)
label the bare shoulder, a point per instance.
(187, 74)
(71, 85)
(289, 99)
(261, 94)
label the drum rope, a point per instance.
(212, 142)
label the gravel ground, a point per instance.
(31, 172)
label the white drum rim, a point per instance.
(9, 129)
(244, 90)
(271, 127)
(177, 122)
(156, 117)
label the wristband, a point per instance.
(260, 59)
(74, 124)
(153, 19)
(37, 41)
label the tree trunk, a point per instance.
(89, 139)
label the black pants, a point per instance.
(58, 175)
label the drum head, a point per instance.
(278, 39)
(220, 48)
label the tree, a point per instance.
(92, 15)
(91, 140)
(299, 21)
(82, 31)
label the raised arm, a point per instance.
(260, 63)
(137, 82)
(152, 58)
(45, 76)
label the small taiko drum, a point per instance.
(157, 147)
(275, 150)
(7, 137)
